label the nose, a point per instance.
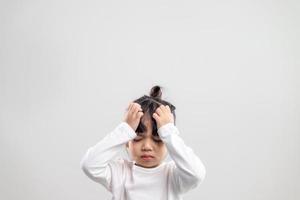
(147, 146)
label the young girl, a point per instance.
(149, 133)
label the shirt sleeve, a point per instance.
(189, 170)
(96, 163)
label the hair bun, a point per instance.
(156, 92)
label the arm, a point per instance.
(189, 171)
(95, 162)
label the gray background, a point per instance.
(69, 69)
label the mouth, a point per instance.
(147, 157)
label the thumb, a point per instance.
(140, 114)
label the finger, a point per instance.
(159, 111)
(133, 107)
(139, 105)
(136, 108)
(140, 114)
(168, 108)
(127, 108)
(130, 106)
(163, 108)
(136, 104)
(155, 116)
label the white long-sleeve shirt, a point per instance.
(127, 181)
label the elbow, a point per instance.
(92, 169)
(85, 163)
(88, 170)
(84, 167)
(200, 176)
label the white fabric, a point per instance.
(127, 181)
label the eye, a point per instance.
(136, 139)
(158, 141)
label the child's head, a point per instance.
(148, 141)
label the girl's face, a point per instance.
(147, 150)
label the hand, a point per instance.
(163, 115)
(133, 115)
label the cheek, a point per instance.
(164, 150)
(134, 147)
(161, 148)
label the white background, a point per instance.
(68, 70)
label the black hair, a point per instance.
(149, 104)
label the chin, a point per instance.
(148, 165)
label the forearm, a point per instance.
(188, 166)
(97, 157)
